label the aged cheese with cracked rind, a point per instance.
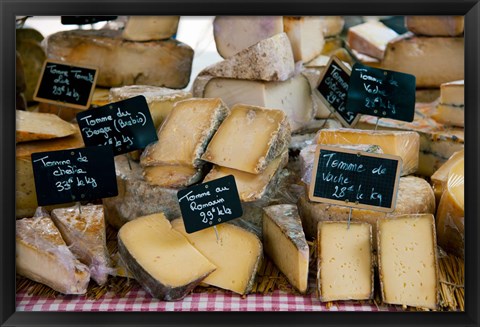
(345, 261)
(292, 96)
(399, 143)
(370, 38)
(85, 235)
(166, 63)
(450, 110)
(435, 25)
(147, 28)
(136, 197)
(332, 25)
(415, 195)
(160, 258)
(43, 256)
(237, 255)
(284, 242)
(425, 57)
(184, 135)
(249, 139)
(407, 260)
(451, 212)
(440, 177)
(234, 33)
(306, 36)
(160, 100)
(32, 126)
(173, 176)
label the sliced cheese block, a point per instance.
(235, 33)
(160, 100)
(237, 255)
(285, 243)
(403, 144)
(136, 197)
(268, 60)
(184, 135)
(450, 115)
(332, 25)
(453, 93)
(85, 235)
(440, 177)
(370, 38)
(160, 258)
(407, 260)
(100, 97)
(425, 57)
(345, 261)
(292, 96)
(147, 28)
(249, 139)
(43, 256)
(306, 36)
(451, 212)
(175, 176)
(165, 63)
(33, 56)
(250, 187)
(33, 126)
(415, 195)
(435, 25)
(367, 60)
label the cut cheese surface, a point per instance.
(407, 260)
(370, 38)
(160, 258)
(33, 126)
(146, 28)
(450, 115)
(440, 177)
(285, 243)
(435, 25)
(249, 139)
(237, 255)
(183, 136)
(306, 36)
(332, 25)
(345, 261)
(174, 176)
(453, 93)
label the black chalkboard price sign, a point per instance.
(82, 174)
(209, 204)
(83, 20)
(66, 85)
(333, 89)
(355, 178)
(381, 93)
(125, 125)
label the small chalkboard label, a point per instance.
(209, 204)
(125, 125)
(82, 174)
(83, 20)
(333, 89)
(67, 85)
(381, 93)
(355, 178)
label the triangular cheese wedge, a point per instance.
(33, 126)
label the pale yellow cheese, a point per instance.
(332, 25)
(174, 176)
(370, 38)
(440, 177)
(306, 36)
(453, 93)
(100, 97)
(407, 260)
(249, 139)
(237, 255)
(146, 28)
(31, 126)
(450, 110)
(435, 25)
(345, 261)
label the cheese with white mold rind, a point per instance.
(435, 25)
(399, 143)
(425, 57)
(147, 28)
(173, 176)
(33, 126)
(292, 96)
(407, 260)
(237, 255)
(440, 177)
(268, 60)
(166, 63)
(160, 258)
(284, 242)
(249, 139)
(185, 133)
(332, 25)
(345, 261)
(234, 33)
(306, 36)
(370, 38)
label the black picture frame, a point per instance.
(11, 8)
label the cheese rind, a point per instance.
(370, 38)
(435, 25)
(284, 242)
(453, 93)
(174, 176)
(440, 177)
(450, 110)
(305, 34)
(407, 260)
(31, 126)
(146, 28)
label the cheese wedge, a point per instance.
(406, 145)
(306, 36)
(147, 28)
(160, 258)
(450, 110)
(85, 235)
(451, 212)
(285, 243)
(100, 97)
(237, 255)
(184, 135)
(407, 260)
(332, 25)
(33, 126)
(175, 176)
(435, 25)
(249, 139)
(440, 177)
(345, 261)
(453, 93)
(43, 256)
(370, 38)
